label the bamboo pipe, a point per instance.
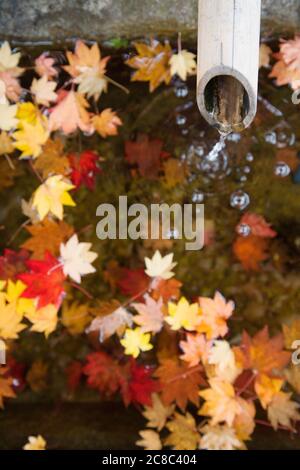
(228, 62)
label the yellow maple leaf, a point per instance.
(184, 434)
(158, 413)
(282, 410)
(183, 315)
(35, 443)
(30, 138)
(291, 333)
(75, 317)
(266, 388)
(44, 320)
(51, 196)
(28, 112)
(13, 294)
(135, 341)
(150, 440)
(183, 64)
(10, 320)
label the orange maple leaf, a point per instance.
(250, 251)
(262, 354)
(70, 113)
(152, 63)
(106, 123)
(179, 383)
(6, 390)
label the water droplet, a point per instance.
(172, 234)
(180, 120)
(249, 157)
(181, 91)
(285, 138)
(244, 230)
(247, 169)
(239, 200)
(282, 169)
(243, 179)
(215, 163)
(198, 197)
(184, 131)
(271, 137)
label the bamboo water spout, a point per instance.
(228, 62)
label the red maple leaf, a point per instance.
(103, 373)
(16, 370)
(137, 385)
(84, 168)
(132, 281)
(13, 263)
(146, 154)
(44, 281)
(258, 225)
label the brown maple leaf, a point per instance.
(52, 160)
(250, 251)
(6, 144)
(179, 383)
(47, 236)
(261, 353)
(146, 154)
(6, 390)
(152, 63)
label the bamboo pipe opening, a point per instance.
(226, 100)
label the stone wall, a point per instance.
(54, 20)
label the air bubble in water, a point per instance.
(244, 230)
(181, 91)
(249, 157)
(180, 120)
(247, 169)
(198, 197)
(282, 169)
(239, 200)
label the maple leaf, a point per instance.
(290, 51)
(284, 75)
(114, 322)
(44, 281)
(14, 293)
(214, 315)
(146, 154)
(6, 144)
(250, 251)
(282, 410)
(291, 333)
(103, 373)
(8, 59)
(76, 258)
(266, 388)
(132, 281)
(12, 263)
(35, 443)
(150, 317)
(30, 138)
(175, 172)
(288, 156)
(183, 64)
(152, 63)
(43, 90)
(137, 384)
(160, 266)
(75, 317)
(220, 437)
(292, 375)
(47, 236)
(10, 320)
(44, 320)
(150, 440)
(167, 289)
(8, 118)
(183, 315)
(244, 423)
(88, 69)
(11, 88)
(44, 66)
(51, 196)
(184, 434)
(70, 113)
(6, 389)
(179, 383)
(74, 373)
(52, 159)
(28, 112)
(84, 168)
(157, 414)
(258, 225)
(222, 357)
(106, 123)
(221, 402)
(36, 377)
(135, 342)
(265, 53)
(261, 353)
(195, 349)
